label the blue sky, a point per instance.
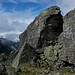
(16, 15)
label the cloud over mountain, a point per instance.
(13, 23)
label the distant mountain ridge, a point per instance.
(7, 45)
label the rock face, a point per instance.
(24, 55)
(41, 35)
(68, 39)
(44, 30)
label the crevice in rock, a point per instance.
(50, 33)
(67, 64)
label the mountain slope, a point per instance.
(7, 45)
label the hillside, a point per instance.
(7, 45)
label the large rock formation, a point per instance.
(68, 38)
(44, 30)
(41, 33)
(48, 34)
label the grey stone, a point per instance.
(67, 38)
(44, 29)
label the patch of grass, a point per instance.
(66, 71)
(29, 69)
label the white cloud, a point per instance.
(12, 1)
(11, 35)
(66, 5)
(24, 1)
(14, 23)
(37, 1)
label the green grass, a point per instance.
(29, 69)
(67, 71)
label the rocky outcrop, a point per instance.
(68, 38)
(64, 48)
(11, 57)
(50, 36)
(44, 30)
(41, 35)
(65, 45)
(24, 55)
